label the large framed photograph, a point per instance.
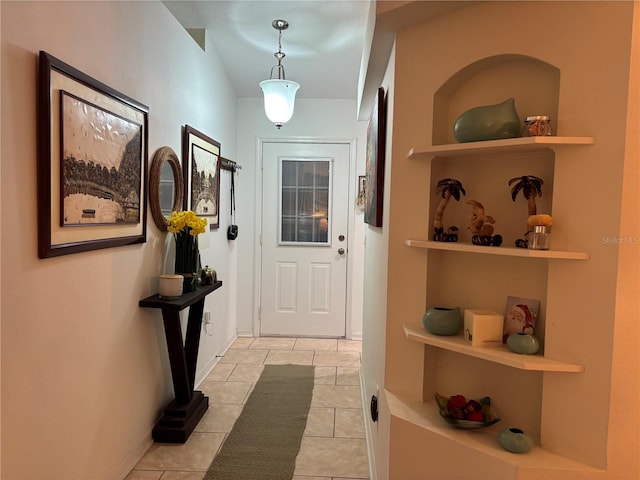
(92, 163)
(201, 164)
(374, 179)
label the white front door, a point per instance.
(304, 239)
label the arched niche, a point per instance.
(533, 83)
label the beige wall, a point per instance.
(84, 369)
(0, 268)
(587, 304)
(375, 304)
(624, 425)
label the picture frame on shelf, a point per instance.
(521, 315)
(92, 163)
(375, 160)
(201, 164)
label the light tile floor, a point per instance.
(333, 445)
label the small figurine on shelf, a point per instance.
(208, 275)
(481, 226)
(531, 187)
(446, 188)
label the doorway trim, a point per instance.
(257, 257)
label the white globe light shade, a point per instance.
(279, 98)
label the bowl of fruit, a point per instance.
(466, 414)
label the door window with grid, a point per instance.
(304, 201)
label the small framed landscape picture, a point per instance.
(201, 156)
(520, 316)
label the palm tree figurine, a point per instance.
(446, 188)
(531, 187)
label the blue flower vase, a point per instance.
(443, 321)
(515, 440)
(523, 343)
(488, 122)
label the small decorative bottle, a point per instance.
(536, 126)
(540, 237)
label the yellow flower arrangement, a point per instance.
(186, 226)
(186, 221)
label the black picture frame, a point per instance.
(92, 162)
(374, 178)
(201, 164)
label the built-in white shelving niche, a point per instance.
(513, 145)
(501, 355)
(425, 415)
(506, 251)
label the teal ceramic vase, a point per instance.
(523, 343)
(515, 440)
(488, 122)
(443, 321)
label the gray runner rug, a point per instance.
(265, 440)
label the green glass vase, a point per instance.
(523, 343)
(443, 320)
(488, 122)
(515, 440)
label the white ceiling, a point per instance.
(323, 44)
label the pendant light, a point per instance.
(279, 93)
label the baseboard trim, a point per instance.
(133, 457)
(373, 475)
(213, 361)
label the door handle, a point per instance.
(341, 251)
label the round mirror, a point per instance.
(165, 186)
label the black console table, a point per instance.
(184, 412)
